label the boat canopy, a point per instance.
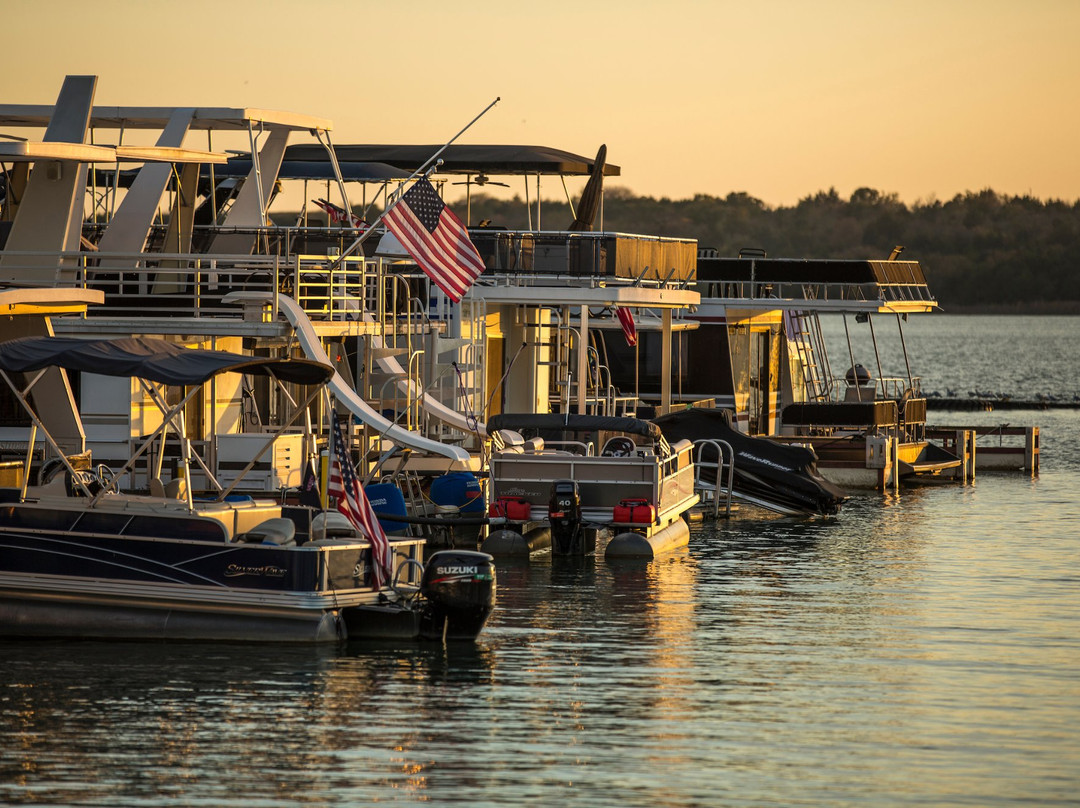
(315, 170)
(461, 159)
(152, 359)
(572, 422)
(292, 170)
(799, 270)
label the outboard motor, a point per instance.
(459, 589)
(564, 516)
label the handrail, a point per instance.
(719, 445)
(193, 284)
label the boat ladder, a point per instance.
(804, 332)
(714, 492)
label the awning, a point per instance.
(462, 159)
(152, 359)
(571, 422)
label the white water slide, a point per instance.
(312, 347)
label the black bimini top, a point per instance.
(461, 159)
(153, 359)
(572, 422)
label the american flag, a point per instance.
(629, 329)
(436, 239)
(345, 489)
(338, 215)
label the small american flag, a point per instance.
(345, 489)
(436, 239)
(337, 215)
(629, 329)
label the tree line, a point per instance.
(981, 251)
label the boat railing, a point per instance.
(724, 463)
(285, 241)
(902, 283)
(195, 285)
(881, 388)
(538, 257)
(585, 449)
(327, 288)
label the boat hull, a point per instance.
(109, 587)
(82, 615)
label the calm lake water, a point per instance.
(920, 649)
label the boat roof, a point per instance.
(46, 300)
(215, 118)
(291, 170)
(818, 283)
(316, 170)
(150, 358)
(572, 422)
(28, 151)
(461, 159)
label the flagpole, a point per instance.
(429, 165)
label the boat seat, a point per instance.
(278, 530)
(510, 438)
(157, 488)
(332, 525)
(176, 488)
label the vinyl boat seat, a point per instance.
(278, 531)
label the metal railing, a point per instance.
(713, 491)
(527, 257)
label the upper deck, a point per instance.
(752, 282)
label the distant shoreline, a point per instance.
(1044, 308)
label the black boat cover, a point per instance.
(571, 422)
(152, 359)
(765, 470)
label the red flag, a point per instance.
(436, 239)
(629, 330)
(344, 489)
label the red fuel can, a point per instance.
(514, 509)
(635, 512)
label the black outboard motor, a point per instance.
(564, 516)
(459, 589)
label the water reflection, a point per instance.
(920, 649)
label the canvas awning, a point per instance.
(152, 359)
(462, 159)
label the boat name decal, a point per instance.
(266, 570)
(765, 462)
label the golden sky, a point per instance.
(778, 99)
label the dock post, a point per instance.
(894, 450)
(964, 447)
(1031, 450)
(883, 455)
